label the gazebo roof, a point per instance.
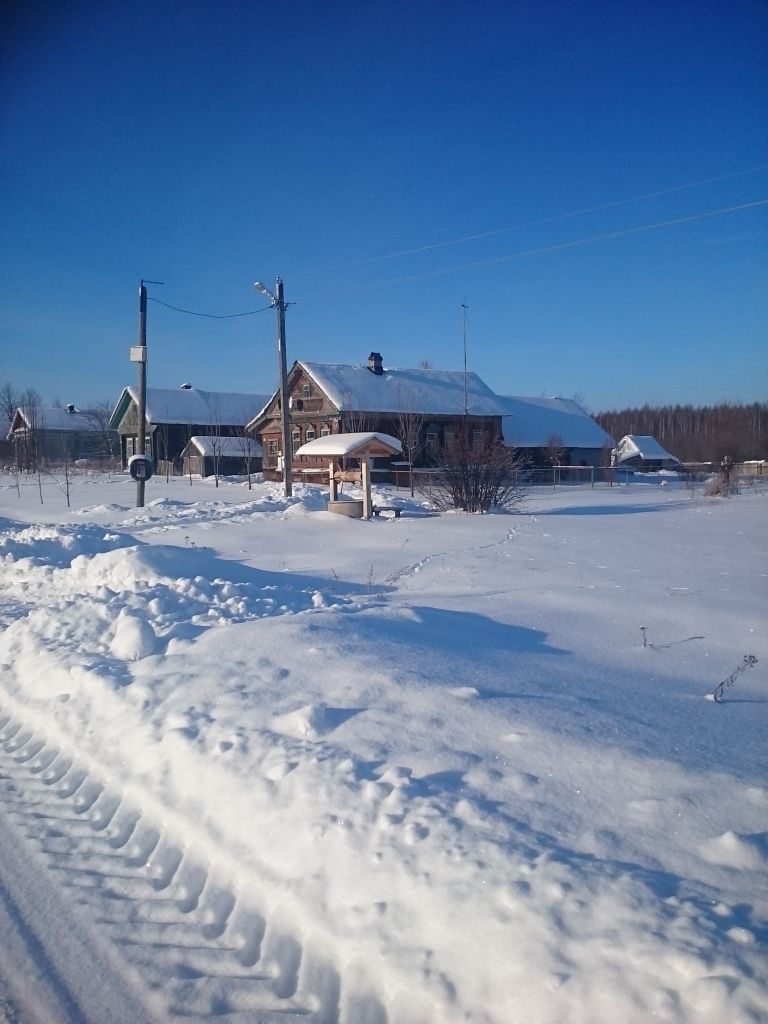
(356, 445)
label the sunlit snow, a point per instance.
(259, 760)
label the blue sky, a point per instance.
(207, 145)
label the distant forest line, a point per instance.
(704, 433)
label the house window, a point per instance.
(432, 440)
(478, 437)
(450, 440)
(306, 391)
(311, 434)
(325, 431)
(272, 447)
(295, 440)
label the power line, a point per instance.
(551, 248)
(211, 316)
(536, 223)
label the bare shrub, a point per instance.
(478, 477)
(746, 663)
(719, 486)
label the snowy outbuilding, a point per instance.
(639, 451)
(214, 455)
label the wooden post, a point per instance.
(334, 486)
(365, 466)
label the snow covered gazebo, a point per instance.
(363, 446)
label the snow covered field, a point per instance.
(258, 760)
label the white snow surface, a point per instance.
(259, 761)
(210, 445)
(194, 405)
(347, 444)
(432, 392)
(55, 417)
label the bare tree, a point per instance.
(28, 442)
(217, 443)
(9, 403)
(479, 477)
(249, 447)
(99, 414)
(409, 424)
(555, 454)
(357, 419)
(555, 450)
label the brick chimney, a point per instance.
(375, 363)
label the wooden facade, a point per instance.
(314, 414)
(174, 416)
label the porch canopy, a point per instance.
(364, 446)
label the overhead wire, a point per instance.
(559, 247)
(211, 316)
(536, 223)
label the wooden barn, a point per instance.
(554, 431)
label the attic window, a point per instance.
(306, 391)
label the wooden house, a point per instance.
(41, 435)
(174, 415)
(424, 408)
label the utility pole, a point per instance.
(278, 303)
(141, 468)
(464, 309)
(141, 439)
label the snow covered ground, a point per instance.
(259, 761)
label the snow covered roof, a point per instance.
(339, 445)
(237, 447)
(436, 392)
(647, 447)
(531, 422)
(192, 405)
(49, 417)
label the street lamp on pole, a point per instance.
(278, 302)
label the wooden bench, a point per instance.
(378, 509)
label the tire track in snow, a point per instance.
(173, 926)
